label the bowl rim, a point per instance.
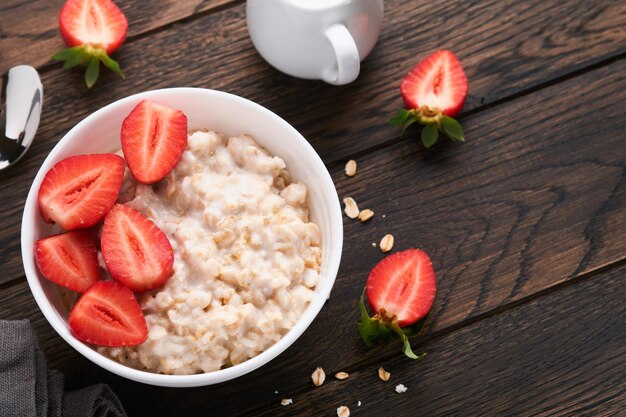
(209, 378)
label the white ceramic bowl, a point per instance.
(222, 112)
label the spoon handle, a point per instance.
(22, 100)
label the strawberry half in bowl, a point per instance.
(255, 152)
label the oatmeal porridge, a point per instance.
(246, 257)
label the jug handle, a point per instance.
(347, 55)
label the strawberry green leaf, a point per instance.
(401, 117)
(369, 331)
(89, 56)
(406, 348)
(384, 333)
(408, 123)
(381, 327)
(73, 61)
(74, 56)
(66, 53)
(414, 329)
(429, 135)
(111, 64)
(368, 328)
(93, 71)
(452, 128)
(362, 309)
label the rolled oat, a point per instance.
(351, 210)
(351, 168)
(318, 376)
(386, 243)
(343, 411)
(365, 215)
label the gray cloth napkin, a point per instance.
(29, 389)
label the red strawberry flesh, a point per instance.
(403, 284)
(79, 191)
(153, 140)
(108, 314)
(70, 259)
(136, 252)
(99, 23)
(438, 84)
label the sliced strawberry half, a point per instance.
(80, 190)
(400, 289)
(437, 85)
(108, 314)
(70, 259)
(136, 252)
(93, 30)
(99, 23)
(403, 284)
(434, 91)
(153, 140)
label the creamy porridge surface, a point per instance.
(247, 258)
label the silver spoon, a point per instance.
(20, 109)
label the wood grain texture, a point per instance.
(560, 355)
(337, 121)
(513, 211)
(535, 197)
(29, 32)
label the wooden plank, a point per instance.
(510, 213)
(566, 350)
(516, 51)
(560, 355)
(328, 117)
(29, 32)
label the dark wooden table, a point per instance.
(525, 222)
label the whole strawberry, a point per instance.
(434, 92)
(92, 30)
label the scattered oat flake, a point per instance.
(365, 215)
(318, 376)
(383, 375)
(342, 375)
(343, 411)
(351, 168)
(374, 244)
(286, 401)
(386, 243)
(351, 210)
(400, 388)
(275, 392)
(384, 215)
(358, 404)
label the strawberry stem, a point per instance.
(428, 112)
